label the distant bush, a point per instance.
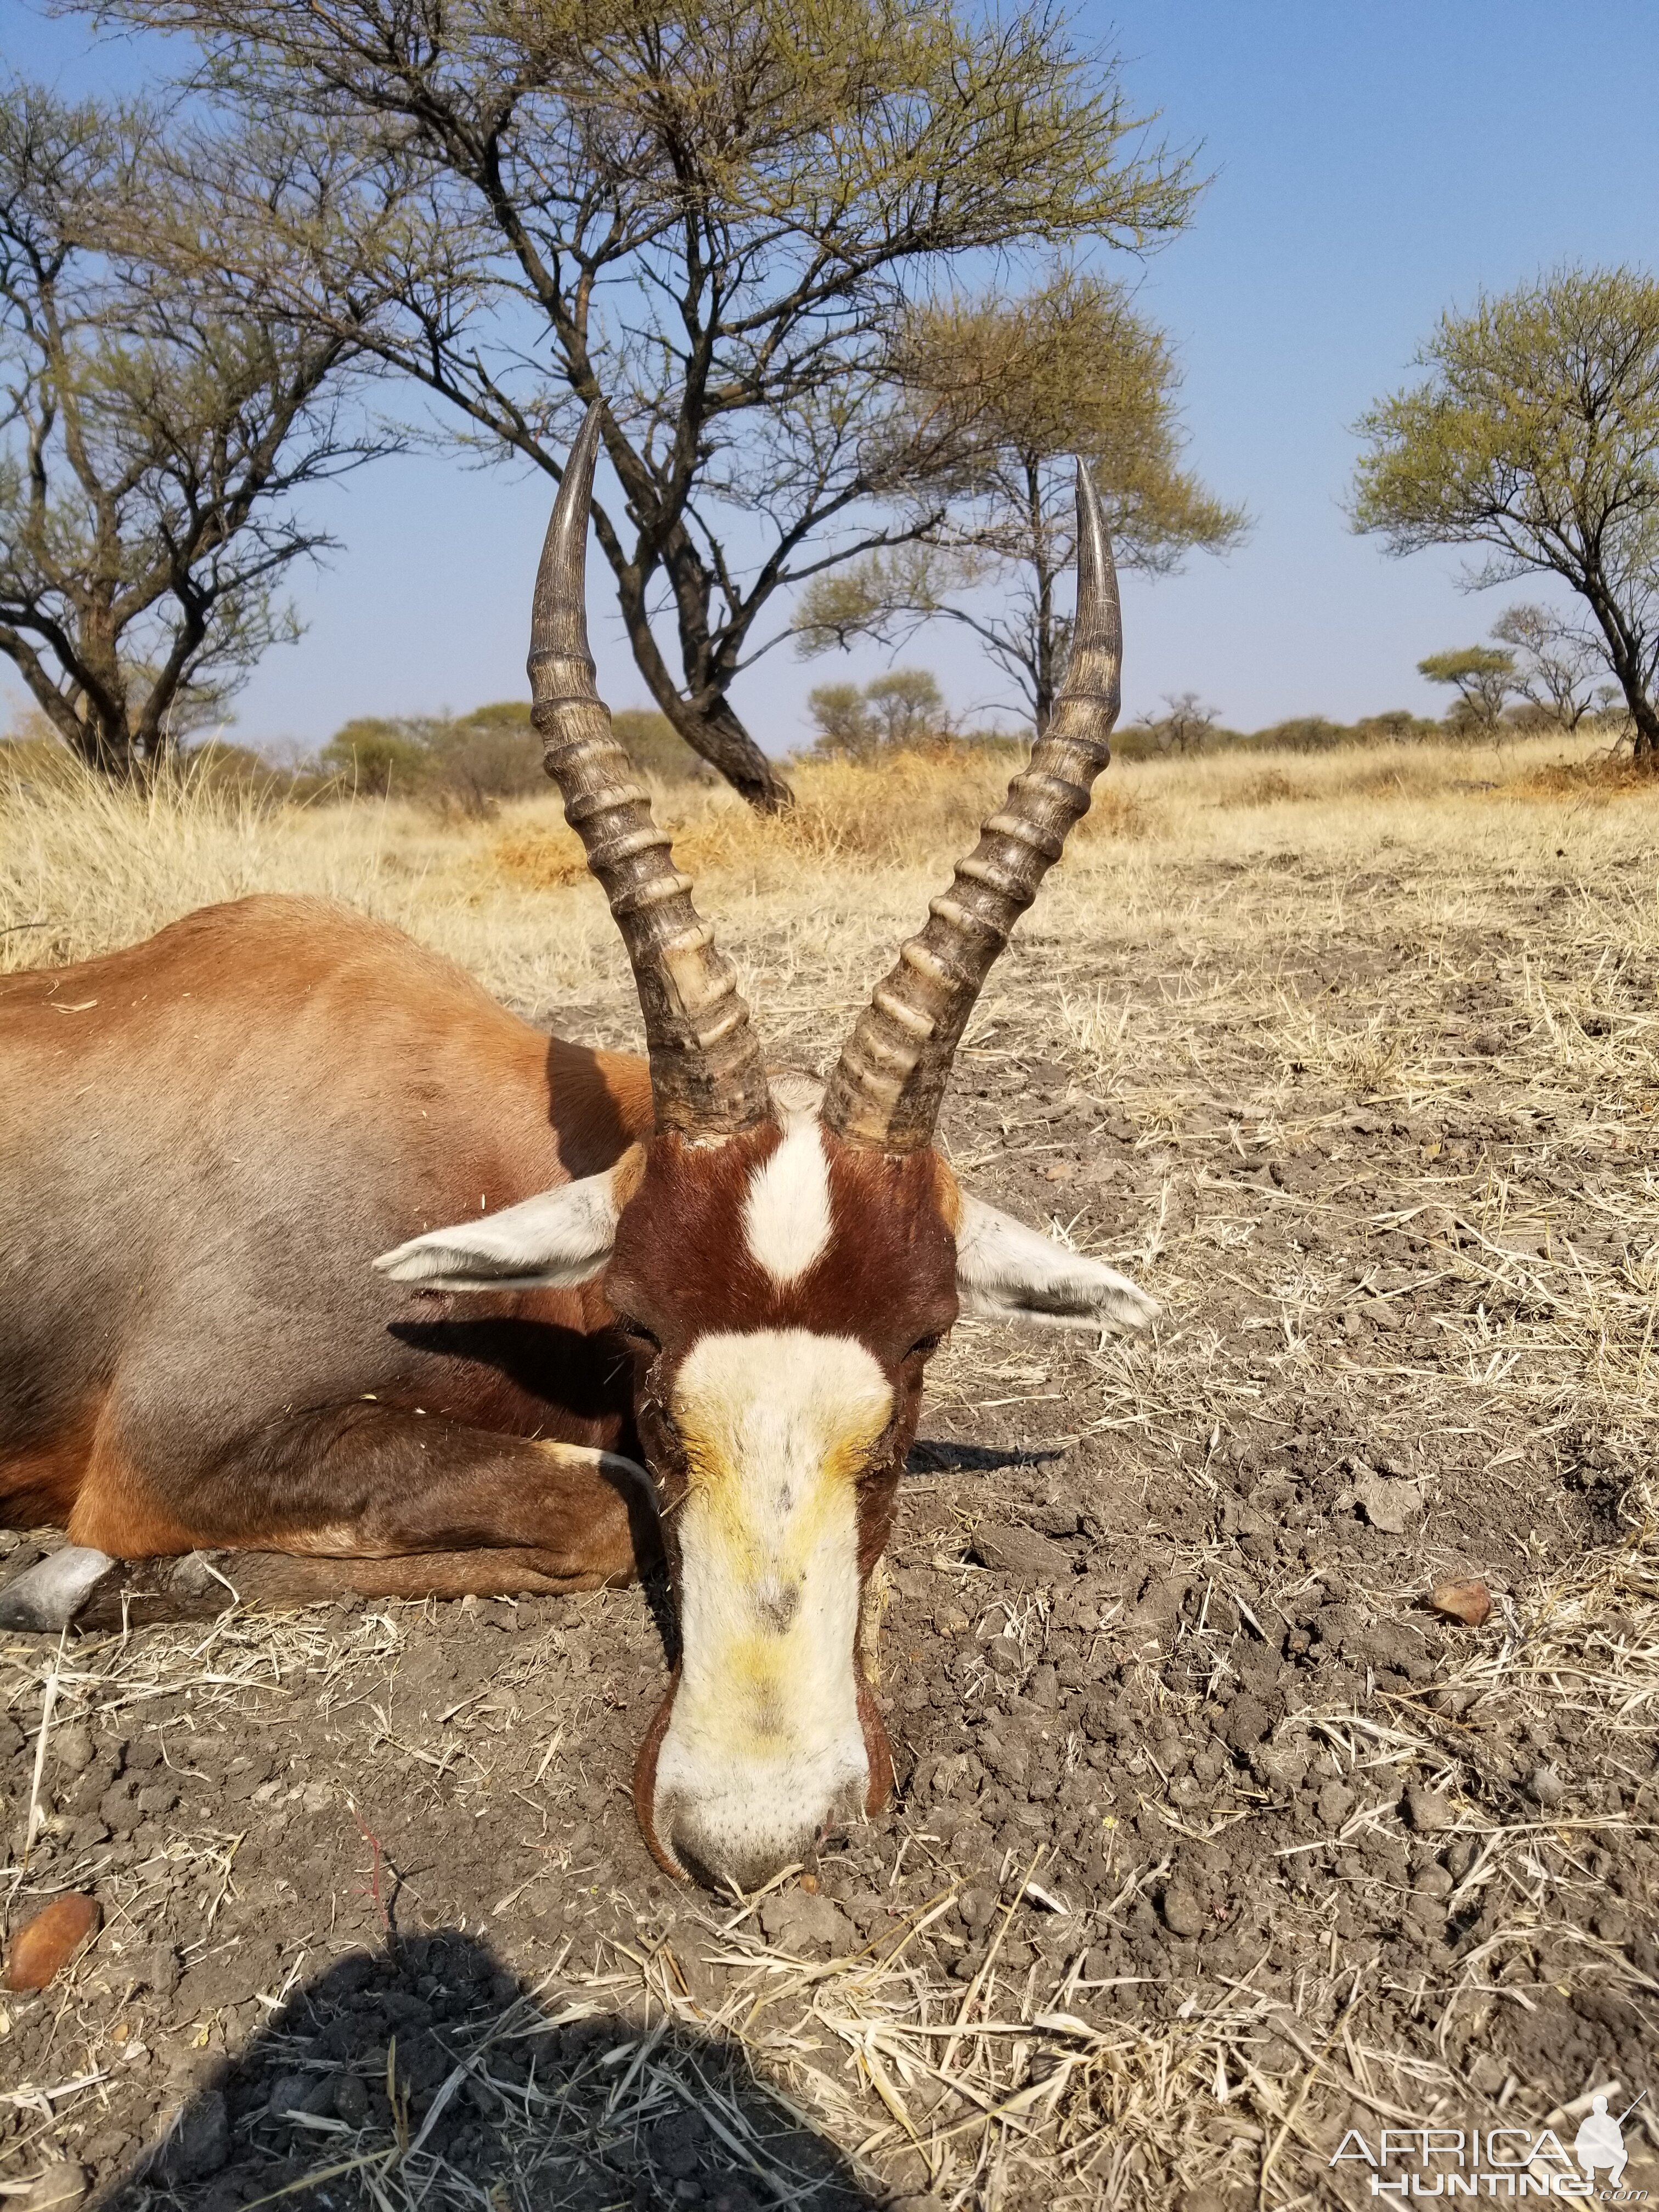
(902, 712)
(467, 764)
(1303, 733)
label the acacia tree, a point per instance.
(1535, 435)
(904, 707)
(152, 439)
(1483, 677)
(708, 220)
(1011, 392)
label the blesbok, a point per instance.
(675, 1265)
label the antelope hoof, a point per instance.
(46, 1597)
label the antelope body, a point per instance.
(624, 1311)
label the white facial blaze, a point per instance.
(786, 1215)
(764, 1742)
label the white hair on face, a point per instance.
(764, 1743)
(785, 1215)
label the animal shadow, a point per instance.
(425, 2072)
(939, 1455)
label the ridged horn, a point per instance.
(707, 1076)
(885, 1092)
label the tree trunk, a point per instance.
(106, 751)
(715, 734)
(1624, 658)
(1645, 743)
(707, 721)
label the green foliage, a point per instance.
(376, 757)
(469, 763)
(1535, 437)
(840, 714)
(1013, 392)
(1484, 677)
(902, 710)
(1302, 733)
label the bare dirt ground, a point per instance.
(1215, 1847)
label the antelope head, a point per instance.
(783, 1257)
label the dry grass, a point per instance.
(809, 905)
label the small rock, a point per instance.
(58, 2188)
(72, 1748)
(1546, 1788)
(1182, 1913)
(1004, 1655)
(1022, 1551)
(1044, 1687)
(1428, 1812)
(51, 1939)
(200, 2143)
(1247, 1724)
(1469, 1602)
(1336, 1802)
(795, 1921)
(977, 1905)
(351, 2101)
(158, 1969)
(302, 2092)
(1389, 1506)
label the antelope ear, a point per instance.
(552, 1241)
(1006, 1272)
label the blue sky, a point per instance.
(1372, 165)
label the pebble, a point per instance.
(1467, 1601)
(1182, 1913)
(72, 1748)
(58, 2188)
(200, 2145)
(351, 2101)
(51, 1939)
(1336, 1802)
(1427, 1810)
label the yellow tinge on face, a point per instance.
(764, 1741)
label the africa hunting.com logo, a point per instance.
(1501, 2161)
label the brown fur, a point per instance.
(196, 1166)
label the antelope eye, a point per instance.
(924, 1345)
(637, 1333)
